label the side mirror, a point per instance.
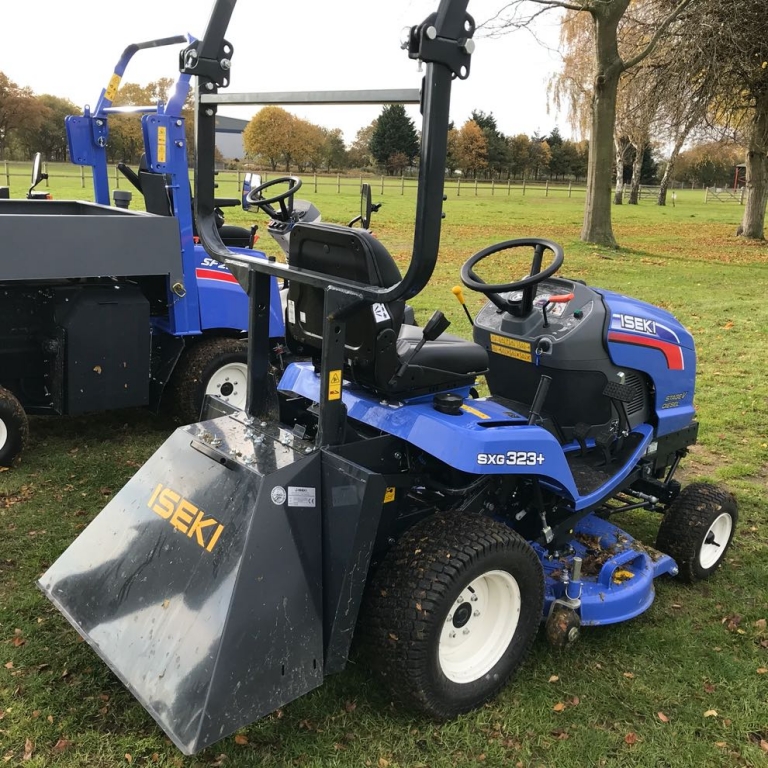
(37, 169)
(366, 206)
(250, 181)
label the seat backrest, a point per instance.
(154, 187)
(351, 254)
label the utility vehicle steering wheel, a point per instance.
(284, 199)
(527, 284)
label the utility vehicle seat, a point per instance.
(377, 341)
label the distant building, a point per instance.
(229, 137)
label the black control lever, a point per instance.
(435, 326)
(539, 398)
(131, 175)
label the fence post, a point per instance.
(117, 179)
(45, 171)
(338, 183)
(546, 189)
(523, 185)
(458, 186)
(570, 188)
(402, 183)
(239, 188)
(706, 194)
(493, 186)
(7, 175)
(315, 180)
(741, 196)
(382, 183)
(509, 187)
(475, 186)
(82, 176)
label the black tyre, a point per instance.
(14, 428)
(452, 612)
(209, 366)
(697, 530)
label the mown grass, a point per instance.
(634, 695)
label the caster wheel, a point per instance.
(563, 626)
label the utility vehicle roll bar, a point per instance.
(444, 43)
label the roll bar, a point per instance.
(444, 43)
(104, 104)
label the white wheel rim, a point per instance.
(715, 541)
(229, 383)
(3, 434)
(473, 639)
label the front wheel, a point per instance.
(210, 367)
(14, 428)
(452, 612)
(697, 530)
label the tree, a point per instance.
(519, 154)
(359, 154)
(49, 136)
(394, 132)
(334, 151)
(452, 154)
(471, 148)
(710, 164)
(731, 36)
(270, 135)
(496, 142)
(18, 109)
(609, 64)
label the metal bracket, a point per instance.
(445, 39)
(213, 70)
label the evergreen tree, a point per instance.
(394, 134)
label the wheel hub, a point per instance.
(3, 434)
(230, 384)
(715, 539)
(479, 627)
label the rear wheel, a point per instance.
(210, 367)
(452, 612)
(14, 428)
(697, 530)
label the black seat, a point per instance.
(377, 341)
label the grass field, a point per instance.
(685, 684)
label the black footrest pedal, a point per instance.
(580, 433)
(604, 441)
(621, 392)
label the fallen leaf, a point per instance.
(8, 665)
(676, 605)
(575, 701)
(559, 707)
(720, 744)
(764, 745)
(350, 706)
(2, 714)
(128, 757)
(760, 624)
(18, 642)
(710, 713)
(166, 603)
(61, 745)
(155, 757)
(560, 734)
(553, 679)
(241, 739)
(35, 713)
(629, 675)
(383, 763)
(630, 738)
(29, 748)
(662, 717)
(49, 718)
(761, 670)
(480, 757)
(97, 369)
(709, 688)
(728, 326)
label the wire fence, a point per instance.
(80, 176)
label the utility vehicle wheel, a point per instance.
(563, 626)
(14, 428)
(697, 530)
(452, 612)
(209, 367)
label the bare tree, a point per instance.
(609, 65)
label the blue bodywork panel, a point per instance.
(647, 338)
(487, 438)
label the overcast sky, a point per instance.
(68, 48)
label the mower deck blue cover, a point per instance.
(200, 582)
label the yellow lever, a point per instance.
(459, 294)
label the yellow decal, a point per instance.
(185, 517)
(475, 412)
(161, 142)
(389, 495)
(111, 90)
(524, 356)
(334, 385)
(523, 346)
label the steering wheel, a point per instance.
(527, 284)
(285, 198)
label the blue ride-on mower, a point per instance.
(372, 493)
